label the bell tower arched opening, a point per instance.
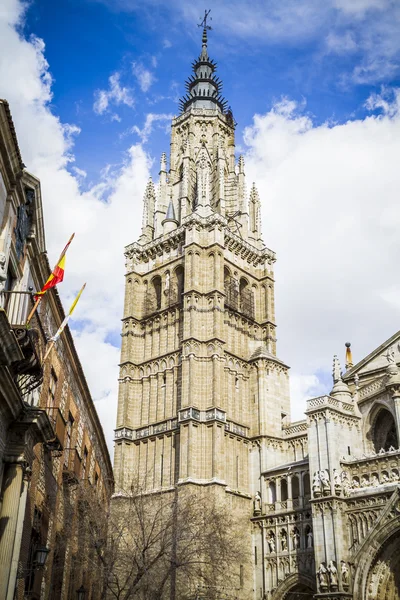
(383, 431)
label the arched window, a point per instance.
(306, 485)
(157, 291)
(284, 490)
(272, 492)
(295, 487)
(384, 433)
(180, 281)
(246, 298)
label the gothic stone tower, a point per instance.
(201, 388)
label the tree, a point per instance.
(179, 544)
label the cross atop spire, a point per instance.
(203, 24)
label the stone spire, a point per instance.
(203, 89)
(149, 202)
(170, 222)
(340, 389)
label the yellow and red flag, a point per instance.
(71, 310)
(57, 275)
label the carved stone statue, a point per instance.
(324, 477)
(316, 485)
(336, 480)
(323, 577)
(365, 481)
(257, 502)
(333, 575)
(374, 479)
(296, 539)
(310, 539)
(283, 541)
(344, 569)
(346, 483)
(271, 542)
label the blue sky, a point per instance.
(314, 87)
(88, 41)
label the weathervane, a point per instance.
(204, 21)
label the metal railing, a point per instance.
(32, 339)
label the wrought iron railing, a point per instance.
(31, 338)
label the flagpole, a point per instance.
(35, 306)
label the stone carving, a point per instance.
(344, 570)
(257, 503)
(333, 575)
(316, 485)
(310, 539)
(296, 539)
(283, 537)
(324, 478)
(390, 355)
(374, 479)
(323, 577)
(337, 481)
(271, 542)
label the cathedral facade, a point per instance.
(204, 398)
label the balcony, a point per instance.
(72, 466)
(22, 347)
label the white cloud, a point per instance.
(147, 128)
(330, 210)
(79, 172)
(116, 94)
(341, 43)
(97, 216)
(143, 75)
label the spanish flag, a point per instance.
(57, 274)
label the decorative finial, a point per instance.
(349, 357)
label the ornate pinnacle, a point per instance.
(336, 372)
(163, 162)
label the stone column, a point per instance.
(396, 401)
(12, 488)
(290, 496)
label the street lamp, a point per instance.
(41, 556)
(81, 593)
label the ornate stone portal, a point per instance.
(204, 399)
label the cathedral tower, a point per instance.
(201, 390)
